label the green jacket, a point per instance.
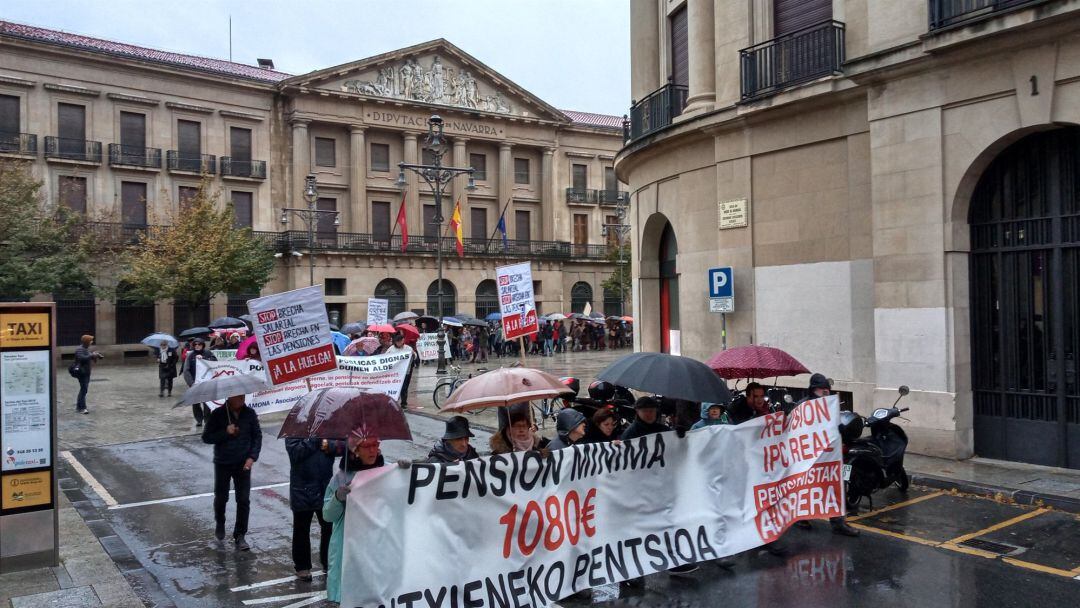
(334, 512)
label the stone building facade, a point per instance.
(122, 132)
(908, 173)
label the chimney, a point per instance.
(267, 64)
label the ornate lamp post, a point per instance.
(620, 230)
(437, 177)
(310, 216)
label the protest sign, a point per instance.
(539, 527)
(294, 334)
(380, 374)
(224, 355)
(516, 302)
(428, 348)
(377, 309)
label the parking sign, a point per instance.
(721, 290)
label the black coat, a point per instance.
(310, 472)
(190, 360)
(168, 368)
(233, 449)
(640, 428)
(439, 454)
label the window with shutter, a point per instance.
(522, 225)
(132, 131)
(186, 194)
(327, 231)
(240, 144)
(188, 139)
(579, 177)
(521, 171)
(478, 220)
(71, 119)
(242, 209)
(380, 220)
(479, 163)
(133, 203)
(610, 181)
(9, 115)
(581, 229)
(380, 157)
(325, 155)
(430, 228)
(793, 15)
(680, 47)
(73, 193)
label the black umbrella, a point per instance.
(474, 322)
(427, 323)
(667, 375)
(353, 328)
(247, 319)
(226, 323)
(196, 332)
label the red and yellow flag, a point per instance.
(455, 225)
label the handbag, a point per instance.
(75, 370)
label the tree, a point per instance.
(43, 248)
(619, 281)
(196, 255)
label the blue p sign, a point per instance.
(720, 283)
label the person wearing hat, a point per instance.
(570, 426)
(198, 351)
(454, 445)
(233, 429)
(646, 420)
(516, 432)
(712, 414)
(84, 362)
(363, 453)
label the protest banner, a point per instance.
(428, 348)
(539, 527)
(377, 310)
(380, 374)
(224, 355)
(294, 334)
(516, 301)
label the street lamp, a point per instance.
(437, 177)
(310, 216)
(620, 230)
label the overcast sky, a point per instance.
(573, 54)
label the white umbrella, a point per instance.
(224, 387)
(557, 317)
(405, 316)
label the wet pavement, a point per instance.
(146, 482)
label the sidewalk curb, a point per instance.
(1021, 497)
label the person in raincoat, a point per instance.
(712, 414)
(570, 426)
(516, 432)
(363, 454)
(454, 445)
(311, 467)
(167, 360)
(646, 422)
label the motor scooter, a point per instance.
(875, 462)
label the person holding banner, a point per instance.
(234, 431)
(454, 445)
(363, 454)
(311, 467)
(646, 420)
(570, 425)
(516, 432)
(198, 351)
(398, 346)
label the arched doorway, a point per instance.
(580, 295)
(449, 299)
(1025, 302)
(669, 287)
(487, 298)
(393, 292)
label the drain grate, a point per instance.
(991, 546)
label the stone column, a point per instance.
(644, 48)
(702, 93)
(550, 198)
(506, 184)
(460, 158)
(413, 212)
(301, 161)
(358, 215)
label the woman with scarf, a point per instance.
(363, 454)
(167, 360)
(516, 432)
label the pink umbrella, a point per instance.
(383, 328)
(755, 361)
(503, 387)
(242, 348)
(365, 345)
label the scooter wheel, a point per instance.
(852, 502)
(904, 481)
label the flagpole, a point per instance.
(502, 217)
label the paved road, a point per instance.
(142, 479)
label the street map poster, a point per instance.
(294, 334)
(539, 527)
(516, 301)
(380, 374)
(427, 347)
(25, 404)
(377, 309)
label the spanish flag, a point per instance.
(455, 225)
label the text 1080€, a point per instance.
(554, 523)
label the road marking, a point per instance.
(159, 501)
(88, 478)
(306, 599)
(900, 535)
(276, 581)
(997, 526)
(898, 505)
(1037, 567)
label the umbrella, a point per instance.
(494, 316)
(353, 328)
(475, 322)
(405, 316)
(382, 328)
(427, 323)
(250, 320)
(452, 322)
(409, 331)
(332, 413)
(226, 322)
(196, 332)
(755, 361)
(502, 387)
(340, 340)
(223, 387)
(628, 319)
(558, 316)
(155, 340)
(599, 316)
(577, 315)
(242, 348)
(667, 375)
(614, 318)
(361, 347)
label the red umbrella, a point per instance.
(755, 361)
(409, 331)
(382, 328)
(331, 413)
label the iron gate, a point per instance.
(1025, 302)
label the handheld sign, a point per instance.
(377, 309)
(294, 334)
(516, 301)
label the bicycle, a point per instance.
(446, 387)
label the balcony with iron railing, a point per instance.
(195, 163)
(134, 156)
(81, 150)
(792, 59)
(581, 196)
(22, 144)
(612, 197)
(945, 13)
(253, 169)
(656, 111)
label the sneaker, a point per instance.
(219, 531)
(85, 411)
(241, 544)
(844, 529)
(304, 575)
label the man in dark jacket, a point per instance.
(454, 445)
(311, 467)
(198, 351)
(234, 431)
(570, 426)
(646, 421)
(84, 360)
(167, 359)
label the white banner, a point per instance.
(380, 374)
(377, 309)
(517, 302)
(428, 348)
(294, 334)
(538, 529)
(224, 355)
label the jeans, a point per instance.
(84, 384)
(241, 482)
(548, 346)
(403, 398)
(301, 539)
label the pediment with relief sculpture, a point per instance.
(436, 73)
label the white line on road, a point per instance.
(95, 484)
(315, 598)
(159, 501)
(276, 581)
(306, 599)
